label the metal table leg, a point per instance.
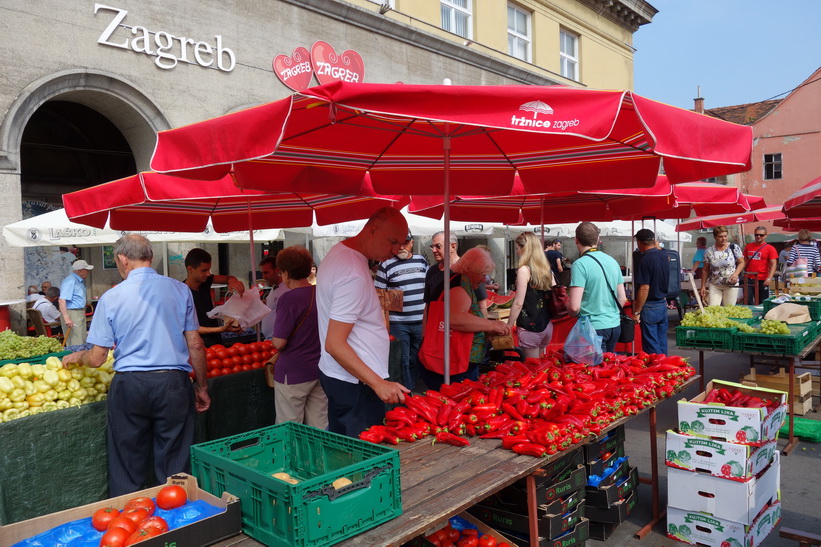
(658, 514)
(532, 516)
(792, 441)
(701, 369)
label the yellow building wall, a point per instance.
(605, 52)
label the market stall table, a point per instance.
(793, 361)
(435, 487)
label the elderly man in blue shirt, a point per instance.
(151, 322)
(72, 303)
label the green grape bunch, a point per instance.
(772, 326)
(708, 319)
(13, 346)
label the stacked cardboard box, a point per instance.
(560, 494)
(612, 485)
(724, 471)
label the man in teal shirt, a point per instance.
(595, 283)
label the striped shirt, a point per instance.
(808, 251)
(407, 276)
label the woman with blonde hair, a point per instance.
(529, 313)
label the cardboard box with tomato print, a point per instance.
(703, 529)
(735, 424)
(721, 459)
(226, 523)
(726, 500)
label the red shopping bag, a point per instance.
(432, 350)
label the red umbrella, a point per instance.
(759, 215)
(409, 137)
(663, 200)
(153, 201)
(806, 202)
(797, 224)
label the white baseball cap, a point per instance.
(81, 265)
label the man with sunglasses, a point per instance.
(762, 259)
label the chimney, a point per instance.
(698, 102)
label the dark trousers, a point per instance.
(148, 411)
(763, 291)
(434, 381)
(352, 408)
(609, 338)
(410, 334)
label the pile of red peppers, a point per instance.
(537, 407)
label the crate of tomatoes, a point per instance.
(223, 360)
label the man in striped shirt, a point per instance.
(406, 272)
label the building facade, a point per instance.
(86, 85)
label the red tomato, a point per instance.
(246, 367)
(221, 354)
(155, 522)
(217, 347)
(468, 541)
(123, 522)
(141, 535)
(214, 363)
(115, 537)
(452, 533)
(247, 359)
(257, 364)
(232, 351)
(440, 534)
(256, 356)
(267, 344)
(266, 354)
(209, 353)
(236, 360)
(210, 373)
(171, 497)
(140, 503)
(225, 370)
(487, 541)
(447, 543)
(237, 368)
(503, 544)
(254, 346)
(136, 515)
(102, 517)
(242, 349)
(470, 532)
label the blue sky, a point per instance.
(738, 51)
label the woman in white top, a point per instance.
(723, 264)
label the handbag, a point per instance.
(432, 350)
(557, 300)
(270, 364)
(628, 332)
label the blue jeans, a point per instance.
(609, 337)
(763, 290)
(352, 408)
(410, 334)
(654, 326)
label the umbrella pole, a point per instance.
(165, 258)
(253, 255)
(446, 288)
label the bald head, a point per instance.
(383, 234)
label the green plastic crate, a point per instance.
(705, 337)
(783, 344)
(311, 512)
(36, 360)
(814, 305)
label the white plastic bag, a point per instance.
(247, 310)
(583, 344)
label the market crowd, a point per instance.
(333, 326)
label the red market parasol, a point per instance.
(806, 202)
(415, 139)
(153, 201)
(798, 224)
(758, 215)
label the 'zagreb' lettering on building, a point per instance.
(164, 43)
(523, 121)
(327, 69)
(301, 68)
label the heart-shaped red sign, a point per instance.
(330, 67)
(294, 71)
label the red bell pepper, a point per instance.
(449, 438)
(530, 449)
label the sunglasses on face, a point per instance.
(760, 235)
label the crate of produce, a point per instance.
(37, 359)
(703, 529)
(327, 488)
(814, 305)
(727, 460)
(705, 337)
(782, 344)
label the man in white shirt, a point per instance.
(355, 344)
(270, 273)
(47, 306)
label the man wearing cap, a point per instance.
(73, 303)
(650, 306)
(762, 258)
(406, 272)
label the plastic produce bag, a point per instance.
(246, 309)
(583, 344)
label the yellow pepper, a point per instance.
(6, 385)
(25, 413)
(74, 401)
(34, 410)
(77, 373)
(17, 395)
(64, 395)
(81, 394)
(63, 374)
(100, 397)
(38, 370)
(8, 370)
(49, 406)
(104, 377)
(36, 400)
(73, 385)
(51, 377)
(62, 404)
(22, 405)
(24, 371)
(18, 382)
(50, 395)
(5, 404)
(53, 363)
(30, 389)
(87, 382)
(10, 414)
(41, 386)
